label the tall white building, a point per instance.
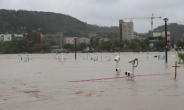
(126, 30)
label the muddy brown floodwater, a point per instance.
(43, 83)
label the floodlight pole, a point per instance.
(75, 47)
(165, 20)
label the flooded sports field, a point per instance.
(59, 82)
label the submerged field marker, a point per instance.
(175, 69)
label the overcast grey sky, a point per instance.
(107, 12)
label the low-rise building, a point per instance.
(106, 39)
(168, 33)
(156, 34)
(103, 40)
(83, 40)
(155, 39)
(57, 38)
(18, 35)
(7, 37)
(68, 40)
(10, 37)
(160, 36)
(139, 37)
(41, 38)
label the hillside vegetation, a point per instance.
(177, 30)
(19, 21)
(22, 21)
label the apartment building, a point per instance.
(126, 30)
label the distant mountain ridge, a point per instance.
(22, 21)
(18, 21)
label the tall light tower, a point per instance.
(75, 46)
(165, 20)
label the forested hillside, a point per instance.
(18, 21)
(177, 30)
(22, 21)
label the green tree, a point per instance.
(133, 45)
(52, 42)
(1, 46)
(126, 42)
(147, 42)
(143, 45)
(160, 45)
(68, 46)
(37, 48)
(180, 44)
(116, 43)
(82, 45)
(181, 55)
(107, 45)
(35, 38)
(172, 43)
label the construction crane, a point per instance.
(152, 17)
